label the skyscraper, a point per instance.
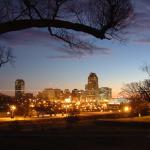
(19, 88)
(92, 87)
(92, 82)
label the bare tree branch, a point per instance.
(146, 68)
(102, 19)
(6, 56)
(137, 90)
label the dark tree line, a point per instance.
(140, 90)
(139, 93)
(137, 90)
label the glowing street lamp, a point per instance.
(126, 109)
(12, 110)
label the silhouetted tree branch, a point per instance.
(146, 68)
(139, 94)
(137, 90)
(102, 19)
(6, 56)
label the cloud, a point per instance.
(26, 37)
(79, 53)
(139, 29)
(41, 38)
(62, 57)
(142, 41)
(142, 17)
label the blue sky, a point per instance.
(44, 62)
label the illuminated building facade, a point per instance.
(75, 95)
(51, 94)
(19, 88)
(105, 93)
(92, 87)
(66, 93)
(58, 94)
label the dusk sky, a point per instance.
(44, 62)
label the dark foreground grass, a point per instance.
(85, 134)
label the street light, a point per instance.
(126, 109)
(12, 110)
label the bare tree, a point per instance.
(64, 19)
(137, 90)
(139, 94)
(6, 56)
(146, 68)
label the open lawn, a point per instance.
(85, 134)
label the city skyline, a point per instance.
(19, 87)
(42, 61)
(105, 71)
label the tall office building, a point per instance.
(19, 88)
(92, 87)
(92, 82)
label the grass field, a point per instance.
(85, 134)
